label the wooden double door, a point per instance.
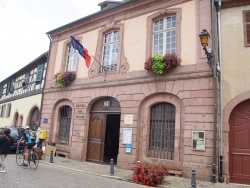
(239, 144)
(103, 137)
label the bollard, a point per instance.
(112, 167)
(51, 156)
(193, 179)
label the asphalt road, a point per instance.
(47, 176)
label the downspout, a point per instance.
(221, 94)
(213, 176)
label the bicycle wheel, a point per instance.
(19, 159)
(33, 161)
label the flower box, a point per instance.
(158, 64)
(63, 79)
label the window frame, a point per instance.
(164, 32)
(122, 65)
(65, 55)
(245, 24)
(113, 44)
(68, 129)
(8, 110)
(39, 74)
(3, 110)
(150, 29)
(165, 153)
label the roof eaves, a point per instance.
(19, 72)
(89, 16)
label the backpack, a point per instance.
(32, 135)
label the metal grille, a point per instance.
(65, 121)
(108, 68)
(162, 131)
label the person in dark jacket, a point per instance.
(5, 147)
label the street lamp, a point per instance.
(204, 37)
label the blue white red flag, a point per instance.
(81, 50)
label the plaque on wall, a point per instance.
(80, 105)
(127, 136)
(79, 116)
(198, 140)
(128, 119)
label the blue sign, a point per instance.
(45, 120)
(128, 148)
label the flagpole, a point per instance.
(103, 67)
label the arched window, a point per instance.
(164, 36)
(65, 121)
(34, 120)
(71, 61)
(110, 51)
(162, 131)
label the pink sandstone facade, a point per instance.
(188, 87)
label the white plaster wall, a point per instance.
(235, 56)
(23, 107)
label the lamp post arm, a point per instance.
(209, 55)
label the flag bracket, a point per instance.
(103, 68)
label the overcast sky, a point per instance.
(23, 27)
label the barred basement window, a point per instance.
(162, 131)
(65, 121)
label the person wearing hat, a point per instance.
(5, 147)
(30, 143)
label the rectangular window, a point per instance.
(246, 20)
(25, 82)
(71, 60)
(8, 88)
(12, 88)
(1, 91)
(8, 110)
(164, 36)
(39, 74)
(110, 51)
(3, 110)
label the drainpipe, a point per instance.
(214, 69)
(221, 94)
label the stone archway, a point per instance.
(227, 111)
(34, 119)
(104, 129)
(239, 143)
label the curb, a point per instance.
(85, 172)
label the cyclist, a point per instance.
(30, 141)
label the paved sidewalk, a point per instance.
(125, 175)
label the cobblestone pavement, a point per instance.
(104, 170)
(52, 176)
(125, 175)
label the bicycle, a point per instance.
(33, 159)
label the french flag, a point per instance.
(81, 50)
